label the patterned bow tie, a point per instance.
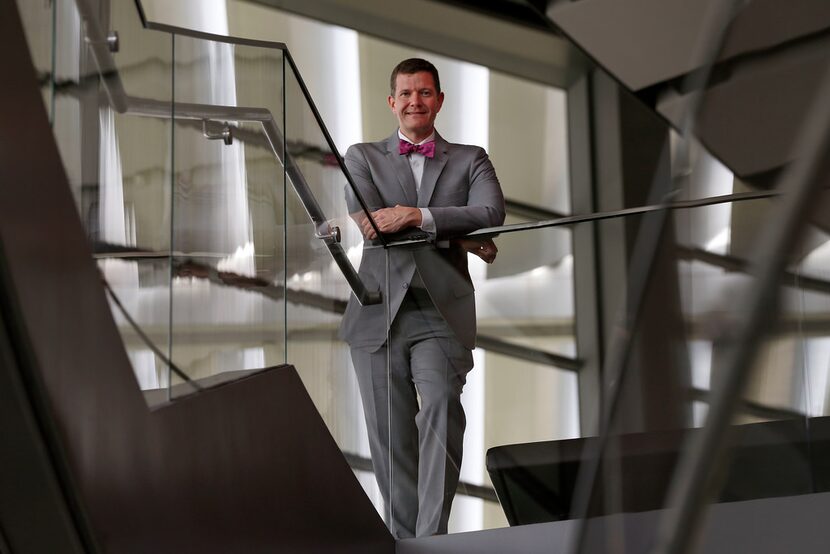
(427, 149)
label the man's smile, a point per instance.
(415, 101)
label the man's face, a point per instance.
(415, 104)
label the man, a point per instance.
(417, 180)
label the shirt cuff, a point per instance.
(427, 222)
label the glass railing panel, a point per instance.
(529, 146)
(151, 209)
(525, 296)
(780, 384)
(509, 401)
(228, 268)
(805, 321)
(665, 387)
(518, 384)
(142, 57)
(811, 301)
(135, 154)
(668, 374)
(316, 290)
(772, 452)
(117, 164)
(716, 245)
(674, 368)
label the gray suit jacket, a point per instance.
(462, 192)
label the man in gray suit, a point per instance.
(415, 180)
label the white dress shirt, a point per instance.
(416, 163)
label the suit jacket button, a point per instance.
(405, 285)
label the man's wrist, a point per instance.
(415, 217)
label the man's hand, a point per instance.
(391, 220)
(484, 249)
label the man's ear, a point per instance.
(440, 101)
(391, 101)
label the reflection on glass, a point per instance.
(128, 212)
(811, 302)
(117, 164)
(525, 313)
(670, 375)
(526, 296)
(678, 345)
(529, 146)
(216, 234)
(714, 254)
(227, 287)
(316, 290)
(518, 390)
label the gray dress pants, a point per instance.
(416, 446)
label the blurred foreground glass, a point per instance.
(316, 290)
(671, 373)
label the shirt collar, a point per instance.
(429, 138)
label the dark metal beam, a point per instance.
(533, 355)
(750, 407)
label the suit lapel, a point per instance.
(432, 170)
(402, 170)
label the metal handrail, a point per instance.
(569, 220)
(131, 105)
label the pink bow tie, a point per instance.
(427, 149)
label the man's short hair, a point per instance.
(414, 65)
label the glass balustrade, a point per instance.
(228, 255)
(523, 384)
(524, 387)
(175, 148)
(117, 161)
(671, 372)
(321, 241)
